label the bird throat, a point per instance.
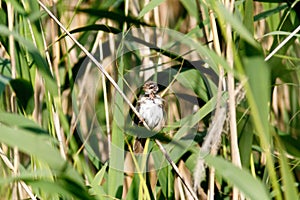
(150, 95)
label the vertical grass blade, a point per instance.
(116, 162)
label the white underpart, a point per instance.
(151, 111)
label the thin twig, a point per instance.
(163, 150)
(283, 43)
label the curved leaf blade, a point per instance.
(242, 179)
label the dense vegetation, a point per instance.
(70, 77)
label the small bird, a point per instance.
(150, 108)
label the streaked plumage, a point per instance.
(150, 107)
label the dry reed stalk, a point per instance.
(59, 133)
(13, 100)
(229, 4)
(212, 140)
(55, 46)
(12, 167)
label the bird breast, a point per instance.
(151, 111)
